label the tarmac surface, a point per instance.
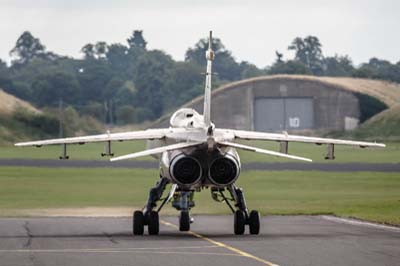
(283, 240)
(330, 167)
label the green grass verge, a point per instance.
(390, 154)
(366, 195)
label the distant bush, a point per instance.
(126, 115)
(46, 123)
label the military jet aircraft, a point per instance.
(194, 154)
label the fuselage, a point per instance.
(196, 167)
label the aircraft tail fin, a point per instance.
(207, 92)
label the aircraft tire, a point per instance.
(154, 223)
(184, 221)
(239, 222)
(254, 222)
(138, 223)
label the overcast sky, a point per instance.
(252, 30)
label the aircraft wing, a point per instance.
(253, 135)
(176, 146)
(264, 151)
(133, 135)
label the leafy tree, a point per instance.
(112, 87)
(339, 66)
(117, 56)
(125, 114)
(3, 65)
(93, 80)
(136, 40)
(379, 69)
(88, 50)
(49, 88)
(308, 51)
(225, 65)
(100, 49)
(289, 67)
(94, 109)
(126, 94)
(27, 48)
(184, 84)
(248, 70)
(153, 71)
(20, 89)
(5, 78)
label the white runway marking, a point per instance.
(156, 250)
(115, 251)
(360, 223)
(103, 249)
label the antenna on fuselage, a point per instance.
(207, 91)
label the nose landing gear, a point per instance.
(183, 201)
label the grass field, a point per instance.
(390, 154)
(372, 196)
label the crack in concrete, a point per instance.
(110, 238)
(28, 233)
(29, 242)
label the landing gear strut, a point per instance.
(241, 216)
(183, 201)
(149, 216)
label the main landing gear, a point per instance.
(149, 216)
(241, 216)
(182, 201)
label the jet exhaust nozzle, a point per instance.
(185, 170)
(224, 171)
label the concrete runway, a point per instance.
(329, 167)
(284, 240)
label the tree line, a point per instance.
(122, 83)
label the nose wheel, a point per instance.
(184, 221)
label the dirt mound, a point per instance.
(10, 103)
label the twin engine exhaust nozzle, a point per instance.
(188, 171)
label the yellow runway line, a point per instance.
(223, 245)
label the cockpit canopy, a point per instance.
(186, 117)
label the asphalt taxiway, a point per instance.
(284, 240)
